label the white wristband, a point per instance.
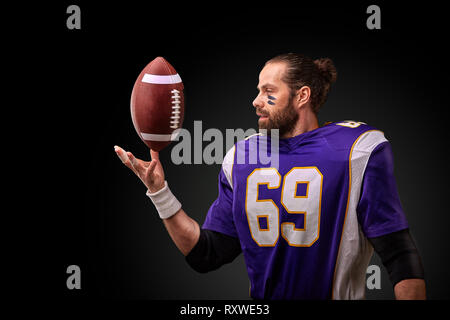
(164, 201)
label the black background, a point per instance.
(96, 214)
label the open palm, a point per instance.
(150, 172)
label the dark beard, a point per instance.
(284, 120)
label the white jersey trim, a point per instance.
(227, 165)
(355, 250)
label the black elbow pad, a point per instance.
(213, 250)
(399, 255)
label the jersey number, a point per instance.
(306, 205)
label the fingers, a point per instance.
(121, 154)
(151, 167)
(136, 163)
(132, 158)
(154, 154)
(155, 159)
(141, 168)
(126, 158)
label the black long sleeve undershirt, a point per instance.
(396, 250)
(399, 255)
(213, 250)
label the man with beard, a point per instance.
(308, 227)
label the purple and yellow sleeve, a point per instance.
(379, 209)
(220, 214)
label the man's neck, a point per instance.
(307, 121)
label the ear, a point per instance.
(303, 96)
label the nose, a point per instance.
(258, 103)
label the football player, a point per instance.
(308, 226)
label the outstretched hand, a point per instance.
(151, 172)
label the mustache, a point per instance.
(259, 111)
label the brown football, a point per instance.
(157, 104)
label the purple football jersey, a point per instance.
(304, 218)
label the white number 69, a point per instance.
(308, 205)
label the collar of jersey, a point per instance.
(292, 142)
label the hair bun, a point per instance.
(327, 69)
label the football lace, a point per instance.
(175, 118)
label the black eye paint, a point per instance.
(270, 100)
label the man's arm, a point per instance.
(384, 223)
(410, 289)
(205, 250)
(402, 261)
(183, 230)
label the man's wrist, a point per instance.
(165, 202)
(155, 189)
